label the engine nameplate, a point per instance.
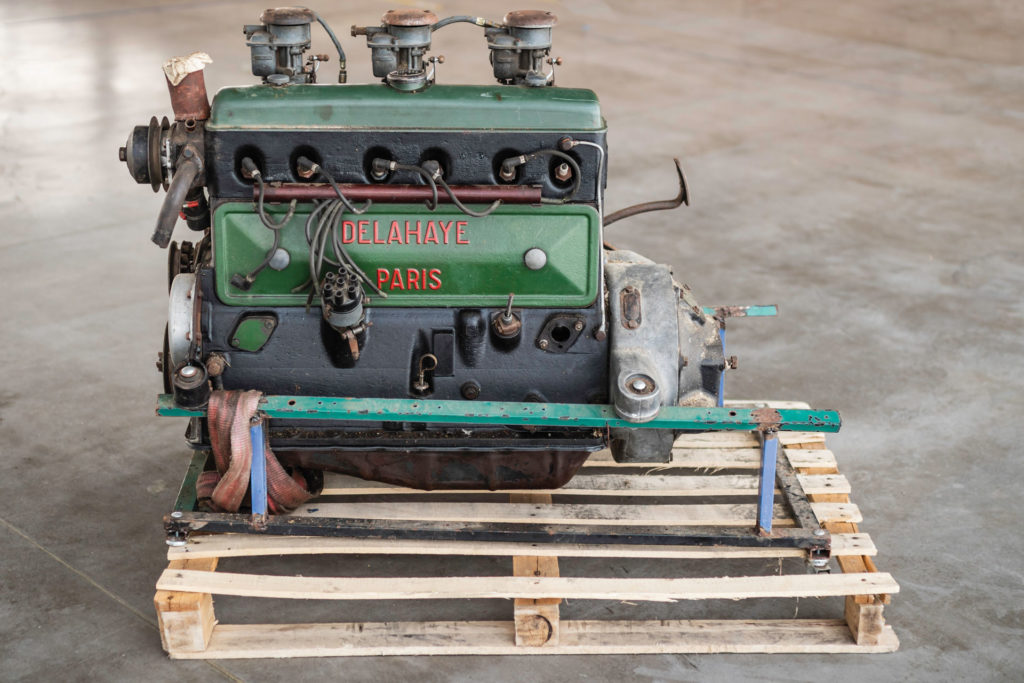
(424, 258)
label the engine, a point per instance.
(418, 240)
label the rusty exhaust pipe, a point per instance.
(187, 87)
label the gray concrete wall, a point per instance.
(857, 163)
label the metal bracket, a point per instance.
(258, 473)
(720, 314)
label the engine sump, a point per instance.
(448, 469)
(430, 458)
(448, 458)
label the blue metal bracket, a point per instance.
(258, 473)
(766, 480)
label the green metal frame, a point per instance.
(537, 414)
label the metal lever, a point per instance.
(420, 386)
(682, 198)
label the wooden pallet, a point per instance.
(706, 466)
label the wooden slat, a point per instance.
(608, 485)
(483, 587)
(244, 545)
(742, 439)
(496, 638)
(849, 563)
(720, 459)
(738, 514)
(748, 403)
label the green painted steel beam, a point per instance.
(536, 414)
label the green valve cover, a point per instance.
(424, 258)
(440, 107)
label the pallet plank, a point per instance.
(742, 439)
(245, 545)
(736, 514)
(794, 636)
(750, 403)
(481, 587)
(605, 485)
(747, 458)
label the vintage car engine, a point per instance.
(413, 239)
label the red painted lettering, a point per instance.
(363, 239)
(431, 235)
(409, 232)
(435, 278)
(459, 234)
(383, 275)
(348, 232)
(377, 238)
(445, 227)
(412, 279)
(395, 233)
(396, 280)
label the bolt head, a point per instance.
(176, 514)
(819, 532)
(638, 385)
(578, 326)
(189, 371)
(543, 343)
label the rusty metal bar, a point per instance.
(401, 194)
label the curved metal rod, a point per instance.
(342, 65)
(464, 18)
(682, 198)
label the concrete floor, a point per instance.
(862, 168)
